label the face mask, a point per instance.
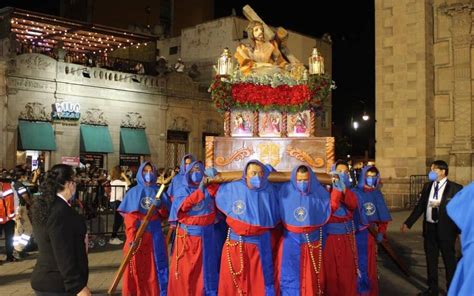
(432, 176)
(371, 181)
(196, 177)
(255, 181)
(302, 185)
(345, 179)
(148, 177)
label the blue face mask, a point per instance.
(196, 177)
(148, 177)
(255, 181)
(302, 185)
(371, 181)
(432, 176)
(345, 179)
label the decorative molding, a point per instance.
(462, 41)
(94, 116)
(35, 61)
(213, 126)
(34, 112)
(456, 8)
(240, 154)
(305, 157)
(179, 123)
(133, 120)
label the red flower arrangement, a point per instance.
(284, 98)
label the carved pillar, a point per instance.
(255, 124)
(227, 124)
(330, 153)
(462, 146)
(284, 124)
(312, 123)
(209, 152)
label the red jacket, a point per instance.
(7, 203)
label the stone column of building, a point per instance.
(461, 154)
(404, 93)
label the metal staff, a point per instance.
(134, 244)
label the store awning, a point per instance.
(35, 135)
(96, 139)
(133, 141)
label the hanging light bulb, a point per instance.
(365, 116)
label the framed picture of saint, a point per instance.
(241, 123)
(270, 124)
(298, 124)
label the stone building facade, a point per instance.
(424, 99)
(160, 105)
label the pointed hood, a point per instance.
(266, 173)
(183, 190)
(314, 186)
(187, 174)
(304, 209)
(362, 178)
(182, 165)
(372, 202)
(139, 197)
(140, 179)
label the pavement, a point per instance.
(104, 262)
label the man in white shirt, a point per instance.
(439, 231)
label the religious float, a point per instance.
(270, 102)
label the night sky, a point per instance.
(351, 25)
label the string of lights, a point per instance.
(50, 32)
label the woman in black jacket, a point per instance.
(62, 265)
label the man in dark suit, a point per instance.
(439, 231)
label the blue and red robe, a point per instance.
(302, 214)
(251, 214)
(340, 250)
(373, 205)
(178, 178)
(194, 261)
(147, 272)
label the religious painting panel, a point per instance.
(241, 123)
(270, 124)
(299, 124)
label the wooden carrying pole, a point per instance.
(134, 245)
(277, 177)
(391, 253)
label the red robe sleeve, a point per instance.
(197, 196)
(191, 200)
(350, 200)
(382, 227)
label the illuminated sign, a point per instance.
(66, 111)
